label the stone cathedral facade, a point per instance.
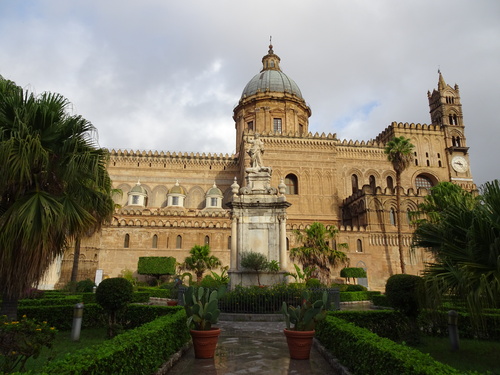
(172, 201)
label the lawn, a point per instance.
(63, 344)
(473, 355)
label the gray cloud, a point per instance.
(166, 75)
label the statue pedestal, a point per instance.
(259, 225)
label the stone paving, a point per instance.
(251, 347)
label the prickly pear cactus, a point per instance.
(305, 317)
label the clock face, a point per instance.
(459, 163)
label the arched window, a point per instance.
(229, 243)
(292, 184)
(423, 181)
(126, 242)
(408, 216)
(390, 182)
(354, 183)
(155, 241)
(287, 244)
(178, 242)
(207, 240)
(372, 183)
(392, 216)
(277, 125)
(359, 246)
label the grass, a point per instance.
(473, 355)
(63, 345)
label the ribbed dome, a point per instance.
(214, 190)
(177, 189)
(271, 78)
(138, 189)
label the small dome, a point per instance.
(177, 189)
(214, 190)
(138, 189)
(271, 78)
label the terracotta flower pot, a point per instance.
(204, 342)
(172, 303)
(299, 343)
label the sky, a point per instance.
(166, 75)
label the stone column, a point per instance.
(234, 243)
(283, 253)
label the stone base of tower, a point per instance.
(251, 278)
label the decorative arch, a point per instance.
(292, 184)
(159, 196)
(195, 198)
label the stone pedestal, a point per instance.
(258, 225)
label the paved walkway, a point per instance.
(252, 348)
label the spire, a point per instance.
(441, 82)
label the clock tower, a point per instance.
(446, 111)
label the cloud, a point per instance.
(166, 75)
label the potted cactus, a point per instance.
(300, 323)
(202, 312)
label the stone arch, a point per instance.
(159, 196)
(195, 198)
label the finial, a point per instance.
(270, 44)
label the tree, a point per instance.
(464, 240)
(399, 152)
(200, 261)
(316, 253)
(254, 261)
(156, 266)
(51, 168)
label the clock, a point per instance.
(459, 164)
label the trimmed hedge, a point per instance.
(61, 317)
(364, 352)
(60, 300)
(380, 300)
(385, 323)
(137, 297)
(436, 324)
(357, 296)
(136, 352)
(155, 292)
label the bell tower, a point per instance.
(446, 111)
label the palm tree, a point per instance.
(399, 152)
(50, 165)
(200, 261)
(465, 243)
(316, 252)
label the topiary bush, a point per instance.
(402, 292)
(85, 286)
(355, 288)
(114, 295)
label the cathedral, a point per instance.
(172, 201)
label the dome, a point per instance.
(177, 189)
(214, 190)
(271, 78)
(138, 189)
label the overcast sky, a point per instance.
(166, 75)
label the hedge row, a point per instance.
(436, 324)
(137, 297)
(380, 300)
(385, 323)
(59, 300)
(61, 317)
(357, 296)
(364, 352)
(155, 292)
(139, 351)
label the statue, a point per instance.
(256, 150)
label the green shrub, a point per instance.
(340, 287)
(385, 323)
(355, 288)
(314, 283)
(364, 352)
(354, 296)
(136, 352)
(352, 272)
(85, 286)
(402, 293)
(114, 295)
(60, 300)
(156, 266)
(380, 300)
(155, 292)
